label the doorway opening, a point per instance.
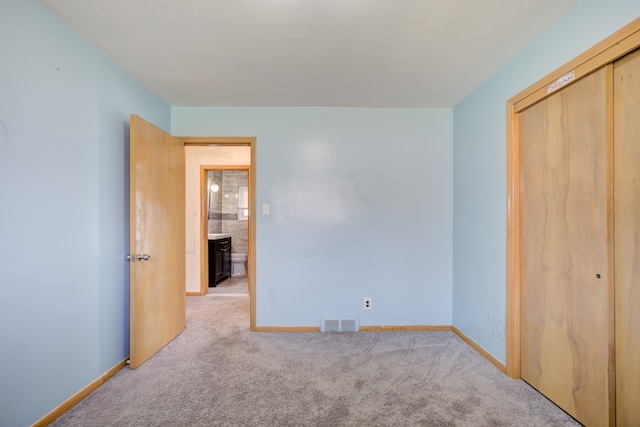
(239, 154)
(227, 199)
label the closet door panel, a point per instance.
(627, 237)
(566, 319)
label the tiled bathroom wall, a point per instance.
(224, 204)
(215, 202)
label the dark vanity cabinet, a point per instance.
(219, 260)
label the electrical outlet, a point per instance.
(366, 303)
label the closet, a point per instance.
(578, 251)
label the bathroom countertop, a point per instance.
(216, 236)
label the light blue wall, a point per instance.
(480, 168)
(64, 112)
(361, 206)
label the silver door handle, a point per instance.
(143, 257)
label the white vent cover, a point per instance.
(339, 324)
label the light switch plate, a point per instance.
(265, 209)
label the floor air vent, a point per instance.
(339, 324)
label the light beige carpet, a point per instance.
(218, 373)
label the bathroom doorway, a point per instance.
(202, 155)
(227, 229)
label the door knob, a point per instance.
(143, 257)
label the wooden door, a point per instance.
(627, 237)
(566, 293)
(157, 229)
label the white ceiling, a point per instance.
(359, 53)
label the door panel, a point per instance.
(627, 237)
(566, 318)
(157, 228)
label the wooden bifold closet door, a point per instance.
(627, 237)
(565, 252)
